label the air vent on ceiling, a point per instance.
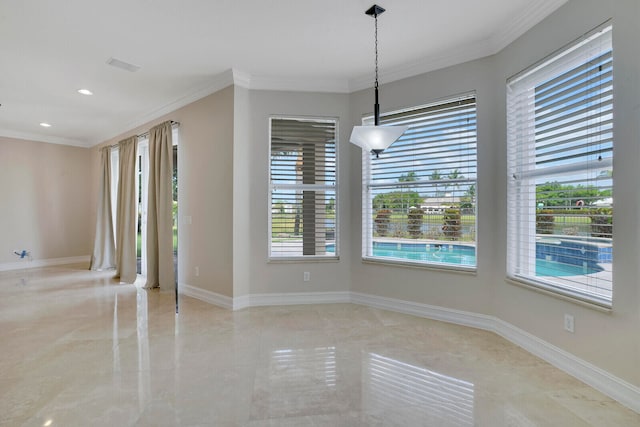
(123, 65)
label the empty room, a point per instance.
(253, 213)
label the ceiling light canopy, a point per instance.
(376, 138)
(85, 92)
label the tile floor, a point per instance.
(80, 350)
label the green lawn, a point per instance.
(283, 224)
(139, 242)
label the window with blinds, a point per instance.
(419, 196)
(560, 171)
(303, 188)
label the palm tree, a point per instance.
(455, 174)
(410, 176)
(435, 176)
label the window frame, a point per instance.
(522, 174)
(335, 188)
(367, 217)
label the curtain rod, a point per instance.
(146, 134)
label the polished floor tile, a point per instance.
(78, 349)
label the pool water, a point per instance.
(446, 254)
(558, 269)
(465, 256)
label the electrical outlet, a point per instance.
(307, 276)
(568, 323)
(197, 271)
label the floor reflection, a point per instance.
(291, 368)
(414, 394)
(142, 320)
(296, 380)
(115, 336)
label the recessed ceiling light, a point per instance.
(45, 125)
(85, 91)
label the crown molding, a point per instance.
(300, 84)
(240, 78)
(36, 137)
(531, 15)
(535, 12)
(525, 20)
(456, 56)
(217, 83)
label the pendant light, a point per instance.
(376, 138)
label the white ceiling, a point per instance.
(187, 49)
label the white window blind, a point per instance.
(560, 171)
(303, 190)
(419, 204)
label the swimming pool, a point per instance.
(463, 255)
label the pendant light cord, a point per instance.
(376, 112)
(376, 47)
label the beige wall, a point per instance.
(608, 340)
(45, 199)
(279, 277)
(205, 189)
(242, 217)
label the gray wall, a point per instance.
(608, 340)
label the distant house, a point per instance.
(603, 203)
(438, 204)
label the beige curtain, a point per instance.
(160, 270)
(104, 248)
(126, 215)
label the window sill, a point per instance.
(298, 260)
(576, 298)
(433, 267)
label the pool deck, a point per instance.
(424, 241)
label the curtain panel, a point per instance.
(104, 249)
(126, 214)
(160, 265)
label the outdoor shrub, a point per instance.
(601, 222)
(382, 220)
(452, 224)
(544, 221)
(397, 230)
(414, 224)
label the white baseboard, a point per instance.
(291, 298)
(38, 263)
(433, 312)
(614, 387)
(206, 296)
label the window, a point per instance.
(419, 203)
(303, 192)
(560, 171)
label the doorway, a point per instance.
(142, 186)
